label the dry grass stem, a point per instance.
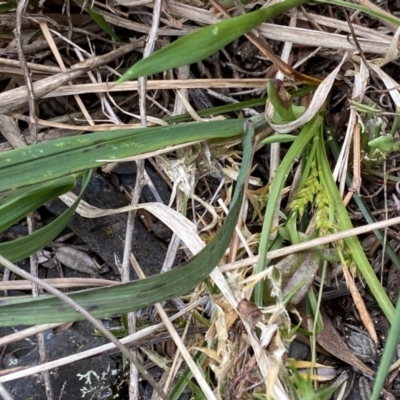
(310, 244)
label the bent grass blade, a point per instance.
(106, 302)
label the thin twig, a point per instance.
(285, 251)
(25, 69)
(35, 293)
(140, 180)
(24, 66)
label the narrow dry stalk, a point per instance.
(24, 67)
(374, 7)
(170, 84)
(356, 183)
(9, 129)
(313, 243)
(361, 31)
(13, 99)
(139, 184)
(4, 394)
(125, 273)
(34, 268)
(12, 132)
(105, 104)
(237, 230)
(15, 337)
(360, 304)
(57, 56)
(60, 283)
(360, 85)
(137, 27)
(14, 67)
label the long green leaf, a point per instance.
(362, 205)
(357, 252)
(389, 351)
(205, 42)
(295, 150)
(106, 302)
(46, 162)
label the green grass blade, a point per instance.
(380, 15)
(12, 212)
(205, 42)
(99, 19)
(357, 252)
(295, 150)
(21, 248)
(388, 353)
(260, 101)
(46, 162)
(186, 377)
(361, 204)
(106, 302)
(279, 138)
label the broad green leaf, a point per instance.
(21, 248)
(205, 42)
(298, 278)
(106, 302)
(52, 160)
(385, 144)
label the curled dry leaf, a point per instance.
(390, 83)
(317, 101)
(179, 224)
